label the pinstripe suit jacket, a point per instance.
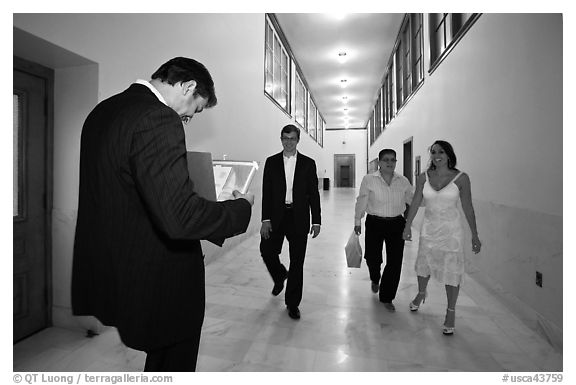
(138, 263)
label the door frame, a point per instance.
(408, 173)
(47, 74)
(337, 169)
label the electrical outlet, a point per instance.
(538, 279)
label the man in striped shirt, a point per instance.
(384, 195)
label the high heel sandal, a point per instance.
(413, 306)
(448, 330)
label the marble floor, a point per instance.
(343, 326)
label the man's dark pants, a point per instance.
(389, 231)
(271, 248)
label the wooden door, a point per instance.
(32, 191)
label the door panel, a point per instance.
(345, 176)
(30, 299)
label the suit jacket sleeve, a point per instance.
(159, 169)
(267, 190)
(314, 194)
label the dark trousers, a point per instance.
(270, 250)
(378, 231)
(180, 357)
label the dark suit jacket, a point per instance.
(138, 263)
(306, 199)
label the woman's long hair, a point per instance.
(447, 147)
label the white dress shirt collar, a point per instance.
(152, 88)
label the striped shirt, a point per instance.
(378, 198)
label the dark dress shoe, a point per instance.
(389, 306)
(375, 287)
(279, 286)
(293, 312)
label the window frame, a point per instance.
(320, 138)
(417, 25)
(284, 60)
(455, 27)
(304, 101)
(312, 110)
(378, 115)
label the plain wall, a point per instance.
(497, 98)
(245, 125)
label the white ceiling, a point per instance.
(367, 38)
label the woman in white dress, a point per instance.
(441, 249)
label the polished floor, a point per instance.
(343, 326)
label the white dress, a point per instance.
(441, 252)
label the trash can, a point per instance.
(326, 184)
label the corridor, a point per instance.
(343, 326)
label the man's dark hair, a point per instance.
(386, 151)
(290, 128)
(183, 69)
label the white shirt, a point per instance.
(289, 167)
(153, 89)
(378, 198)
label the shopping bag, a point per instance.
(353, 251)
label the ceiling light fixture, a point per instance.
(342, 57)
(338, 16)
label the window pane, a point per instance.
(269, 37)
(15, 159)
(300, 100)
(284, 80)
(418, 67)
(277, 70)
(269, 83)
(458, 21)
(311, 118)
(378, 113)
(385, 102)
(370, 131)
(399, 88)
(407, 63)
(439, 34)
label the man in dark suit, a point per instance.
(138, 263)
(289, 196)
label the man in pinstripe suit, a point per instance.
(138, 263)
(385, 196)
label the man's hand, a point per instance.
(358, 230)
(407, 233)
(315, 230)
(266, 229)
(248, 196)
